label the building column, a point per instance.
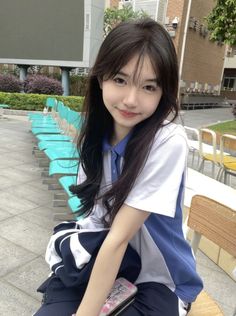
(65, 80)
(23, 74)
(23, 71)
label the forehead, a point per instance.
(139, 67)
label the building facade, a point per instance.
(228, 88)
(201, 61)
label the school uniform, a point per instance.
(167, 281)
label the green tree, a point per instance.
(222, 22)
(113, 16)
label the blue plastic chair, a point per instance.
(66, 182)
(51, 103)
(54, 137)
(58, 150)
(47, 144)
(63, 113)
(61, 153)
(73, 204)
(63, 167)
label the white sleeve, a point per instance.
(81, 177)
(157, 187)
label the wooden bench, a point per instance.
(217, 223)
(200, 184)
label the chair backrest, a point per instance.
(192, 133)
(213, 220)
(51, 102)
(227, 145)
(207, 146)
(228, 155)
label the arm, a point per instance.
(126, 223)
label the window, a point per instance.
(229, 83)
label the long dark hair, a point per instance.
(143, 38)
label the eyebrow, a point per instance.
(155, 80)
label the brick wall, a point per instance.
(203, 59)
(177, 8)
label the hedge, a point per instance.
(36, 102)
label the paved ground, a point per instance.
(26, 221)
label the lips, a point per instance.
(127, 114)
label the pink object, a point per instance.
(121, 294)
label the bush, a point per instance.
(42, 85)
(36, 102)
(78, 84)
(10, 83)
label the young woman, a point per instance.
(130, 184)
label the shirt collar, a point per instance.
(118, 148)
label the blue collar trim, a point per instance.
(119, 148)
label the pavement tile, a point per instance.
(4, 214)
(5, 182)
(7, 162)
(31, 168)
(42, 216)
(12, 256)
(227, 311)
(18, 174)
(30, 193)
(203, 261)
(15, 302)
(29, 277)
(21, 156)
(2, 149)
(15, 204)
(37, 183)
(25, 234)
(226, 287)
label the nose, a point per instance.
(131, 97)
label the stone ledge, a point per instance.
(19, 112)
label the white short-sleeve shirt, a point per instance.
(165, 254)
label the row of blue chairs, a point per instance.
(55, 131)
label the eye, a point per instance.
(150, 88)
(119, 81)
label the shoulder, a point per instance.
(170, 136)
(168, 131)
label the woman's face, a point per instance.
(131, 96)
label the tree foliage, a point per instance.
(114, 16)
(222, 22)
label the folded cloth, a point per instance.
(71, 253)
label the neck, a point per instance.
(118, 135)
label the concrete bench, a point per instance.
(198, 101)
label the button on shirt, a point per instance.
(117, 152)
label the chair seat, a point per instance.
(42, 145)
(74, 203)
(47, 130)
(205, 306)
(61, 153)
(53, 137)
(227, 158)
(66, 167)
(66, 182)
(230, 163)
